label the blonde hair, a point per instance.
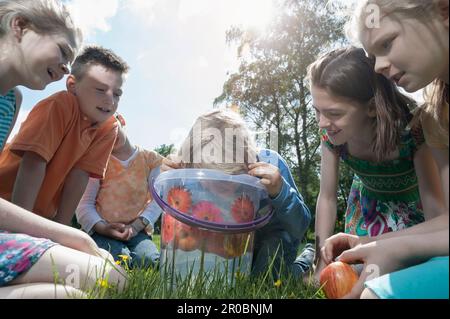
(222, 122)
(42, 16)
(436, 97)
(419, 9)
(436, 94)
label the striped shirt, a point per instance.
(7, 113)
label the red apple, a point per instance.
(337, 279)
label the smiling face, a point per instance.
(45, 59)
(98, 92)
(342, 119)
(409, 52)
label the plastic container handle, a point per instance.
(223, 228)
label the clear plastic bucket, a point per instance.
(208, 221)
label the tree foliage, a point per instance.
(271, 87)
(165, 150)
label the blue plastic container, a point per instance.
(208, 221)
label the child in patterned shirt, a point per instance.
(118, 211)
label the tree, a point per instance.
(271, 87)
(165, 150)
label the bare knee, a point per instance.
(368, 294)
(40, 291)
(117, 277)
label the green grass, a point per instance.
(151, 284)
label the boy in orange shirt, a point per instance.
(65, 139)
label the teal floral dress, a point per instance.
(384, 196)
(8, 110)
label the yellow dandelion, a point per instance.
(102, 283)
(124, 257)
(118, 262)
(277, 283)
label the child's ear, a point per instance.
(71, 84)
(19, 26)
(443, 7)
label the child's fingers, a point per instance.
(324, 252)
(129, 234)
(352, 256)
(265, 181)
(117, 235)
(168, 165)
(118, 226)
(255, 165)
(358, 288)
(260, 172)
(328, 251)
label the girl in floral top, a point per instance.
(364, 122)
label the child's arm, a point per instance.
(286, 199)
(326, 208)
(29, 180)
(441, 158)
(74, 187)
(151, 212)
(392, 254)
(431, 192)
(340, 242)
(86, 212)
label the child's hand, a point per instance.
(336, 244)
(170, 162)
(117, 231)
(270, 177)
(379, 258)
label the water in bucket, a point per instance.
(208, 221)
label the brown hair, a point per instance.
(349, 73)
(96, 55)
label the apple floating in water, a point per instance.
(337, 279)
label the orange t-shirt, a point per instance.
(124, 193)
(56, 130)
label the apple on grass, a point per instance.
(337, 279)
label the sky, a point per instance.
(178, 56)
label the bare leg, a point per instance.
(368, 294)
(73, 268)
(40, 291)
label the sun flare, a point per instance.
(251, 13)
